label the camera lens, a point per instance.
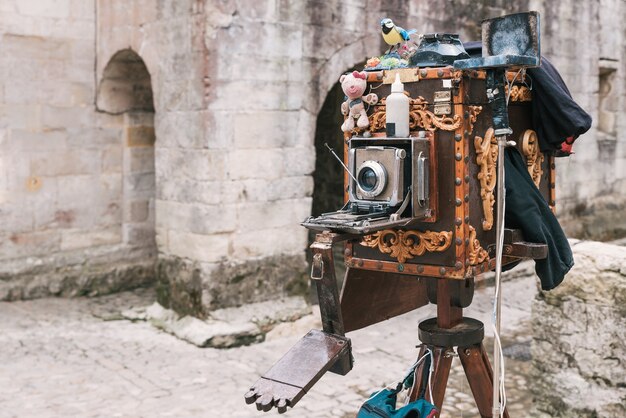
(368, 179)
(371, 178)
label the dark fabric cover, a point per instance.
(556, 116)
(526, 209)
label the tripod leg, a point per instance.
(439, 379)
(480, 377)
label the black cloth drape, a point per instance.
(556, 116)
(526, 209)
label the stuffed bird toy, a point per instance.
(394, 35)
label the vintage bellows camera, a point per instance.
(388, 185)
(420, 220)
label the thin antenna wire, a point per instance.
(340, 162)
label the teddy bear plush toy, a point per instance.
(353, 86)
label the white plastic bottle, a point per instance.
(397, 117)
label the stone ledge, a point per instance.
(226, 328)
(89, 272)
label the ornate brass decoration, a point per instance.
(477, 254)
(519, 94)
(474, 111)
(486, 156)
(534, 157)
(419, 117)
(407, 244)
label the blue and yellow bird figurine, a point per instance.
(394, 35)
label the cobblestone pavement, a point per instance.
(76, 358)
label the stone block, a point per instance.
(25, 117)
(139, 184)
(139, 235)
(301, 161)
(205, 248)
(267, 96)
(205, 165)
(182, 129)
(90, 137)
(65, 163)
(282, 188)
(45, 8)
(579, 331)
(30, 244)
(72, 239)
(29, 47)
(112, 160)
(269, 241)
(65, 117)
(141, 160)
(256, 163)
(140, 136)
(273, 214)
(205, 192)
(27, 140)
(265, 130)
(196, 218)
(139, 211)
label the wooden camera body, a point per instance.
(457, 239)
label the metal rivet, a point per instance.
(379, 76)
(552, 185)
(442, 271)
(458, 221)
(467, 241)
(467, 179)
(467, 219)
(379, 265)
(552, 166)
(467, 262)
(420, 269)
(348, 252)
(360, 263)
(467, 158)
(458, 241)
(457, 181)
(458, 265)
(424, 73)
(457, 137)
(458, 202)
(466, 198)
(552, 202)
(400, 267)
(439, 73)
(458, 156)
(466, 115)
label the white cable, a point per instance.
(500, 238)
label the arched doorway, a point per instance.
(328, 189)
(125, 91)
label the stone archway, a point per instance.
(125, 91)
(328, 188)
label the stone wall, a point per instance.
(63, 187)
(579, 338)
(236, 88)
(587, 43)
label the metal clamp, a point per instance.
(317, 267)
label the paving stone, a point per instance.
(97, 366)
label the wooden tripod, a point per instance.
(441, 335)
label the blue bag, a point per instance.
(382, 404)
